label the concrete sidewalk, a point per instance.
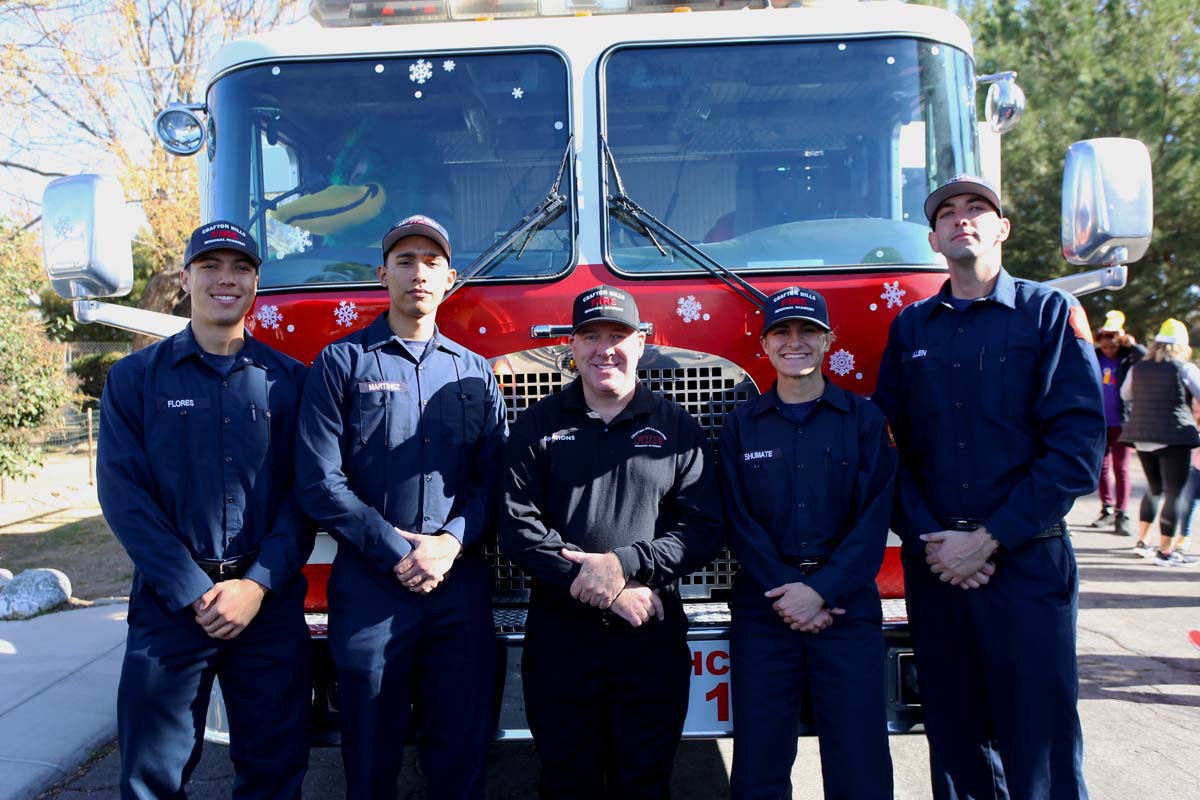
(58, 694)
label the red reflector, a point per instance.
(430, 9)
(386, 12)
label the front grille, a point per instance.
(707, 386)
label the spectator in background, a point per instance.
(1162, 428)
(1117, 352)
(1191, 499)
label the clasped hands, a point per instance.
(961, 558)
(228, 607)
(429, 561)
(802, 608)
(601, 583)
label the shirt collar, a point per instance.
(378, 334)
(1003, 293)
(642, 402)
(184, 345)
(834, 396)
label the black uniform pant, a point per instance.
(166, 677)
(839, 672)
(606, 703)
(998, 677)
(398, 653)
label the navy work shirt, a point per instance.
(821, 488)
(197, 463)
(641, 486)
(388, 441)
(996, 410)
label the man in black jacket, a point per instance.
(610, 497)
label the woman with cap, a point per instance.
(1162, 428)
(808, 482)
(1116, 351)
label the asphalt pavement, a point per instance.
(1140, 700)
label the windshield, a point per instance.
(319, 159)
(787, 155)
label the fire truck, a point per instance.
(699, 155)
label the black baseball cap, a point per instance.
(795, 302)
(961, 184)
(417, 225)
(221, 235)
(605, 304)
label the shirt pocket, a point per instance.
(1010, 371)
(767, 481)
(461, 414)
(925, 380)
(370, 412)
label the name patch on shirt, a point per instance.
(382, 386)
(181, 403)
(761, 455)
(649, 437)
(559, 437)
(919, 354)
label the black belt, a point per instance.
(807, 565)
(968, 524)
(226, 569)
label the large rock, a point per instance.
(32, 592)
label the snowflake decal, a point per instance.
(893, 294)
(345, 313)
(518, 92)
(269, 316)
(688, 308)
(448, 65)
(841, 361)
(421, 71)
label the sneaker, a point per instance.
(1142, 549)
(1121, 524)
(1162, 559)
(1105, 518)
(1179, 559)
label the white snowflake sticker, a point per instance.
(269, 316)
(841, 361)
(689, 308)
(420, 71)
(518, 92)
(448, 65)
(345, 313)
(893, 294)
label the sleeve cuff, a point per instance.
(630, 561)
(187, 591)
(829, 582)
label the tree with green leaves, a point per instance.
(1095, 68)
(33, 384)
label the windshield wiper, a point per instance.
(637, 217)
(549, 209)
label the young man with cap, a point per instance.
(400, 430)
(807, 475)
(610, 497)
(1116, 352)
(993, 395)
(195, 479)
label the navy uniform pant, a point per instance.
(606, 703)
(838, 672)
(397, 653)
(998, 677)
(162, 701)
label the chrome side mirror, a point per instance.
(1107, 202)
(180, 128)
(85, 237)
(1005, 104)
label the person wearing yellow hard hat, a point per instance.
(1116, 352)
(1163, 429)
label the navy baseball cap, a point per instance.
(605, 304)
(221, 235)
(795, 302)
(961, 184)
(417, 225)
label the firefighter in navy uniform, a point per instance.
(610, 497)
(807, 474)
(992, 391)
(195, 479)
(400, 432)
